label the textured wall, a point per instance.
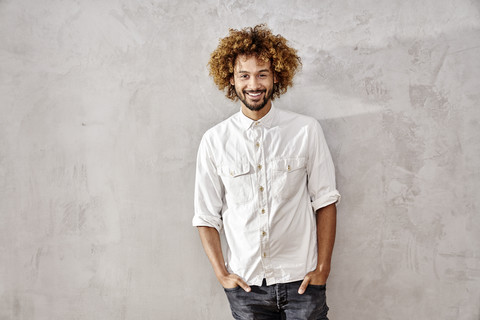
(102, 106)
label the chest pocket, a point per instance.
(237, 180)
(289, 176)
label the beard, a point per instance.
(260, 104)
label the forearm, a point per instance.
(326, 228)
(212, 246)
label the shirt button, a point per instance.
(264, 233)
(288, 168)
(263, 210)
(264, 254)
(259, 167)
(257, 144)
(261, 189)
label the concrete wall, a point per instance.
(102, 106)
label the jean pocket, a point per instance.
(318, 286)
(232, 289)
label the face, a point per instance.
(253, 80)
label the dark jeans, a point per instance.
(279, 301)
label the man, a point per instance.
(265, 184)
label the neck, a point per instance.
(257, 115)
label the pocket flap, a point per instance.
(234, 170)
(288, 165)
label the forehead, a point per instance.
(250, 63)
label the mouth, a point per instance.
(254, 95)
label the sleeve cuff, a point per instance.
(207, 221)
(325, 200)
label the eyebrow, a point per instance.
(263, 70)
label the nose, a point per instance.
(253, 84)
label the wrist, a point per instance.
(322, 270)
(222, 275)
(323, 267)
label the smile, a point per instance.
(254, 94)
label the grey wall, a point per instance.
(103, 104)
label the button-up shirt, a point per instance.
(259, 183)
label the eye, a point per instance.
(244, 76)
(262, 76)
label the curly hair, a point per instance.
(260, 42)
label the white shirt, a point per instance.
(260, 183)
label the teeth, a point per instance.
(254, 94)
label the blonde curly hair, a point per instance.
(260, 42)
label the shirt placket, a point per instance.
(261, 184)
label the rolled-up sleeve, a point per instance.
(321, 171)
(208, 190)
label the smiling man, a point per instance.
(265, 185)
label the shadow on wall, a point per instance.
(402, 125)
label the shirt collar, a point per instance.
(266, 120)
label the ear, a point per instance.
(232, 81)
(275, 80)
